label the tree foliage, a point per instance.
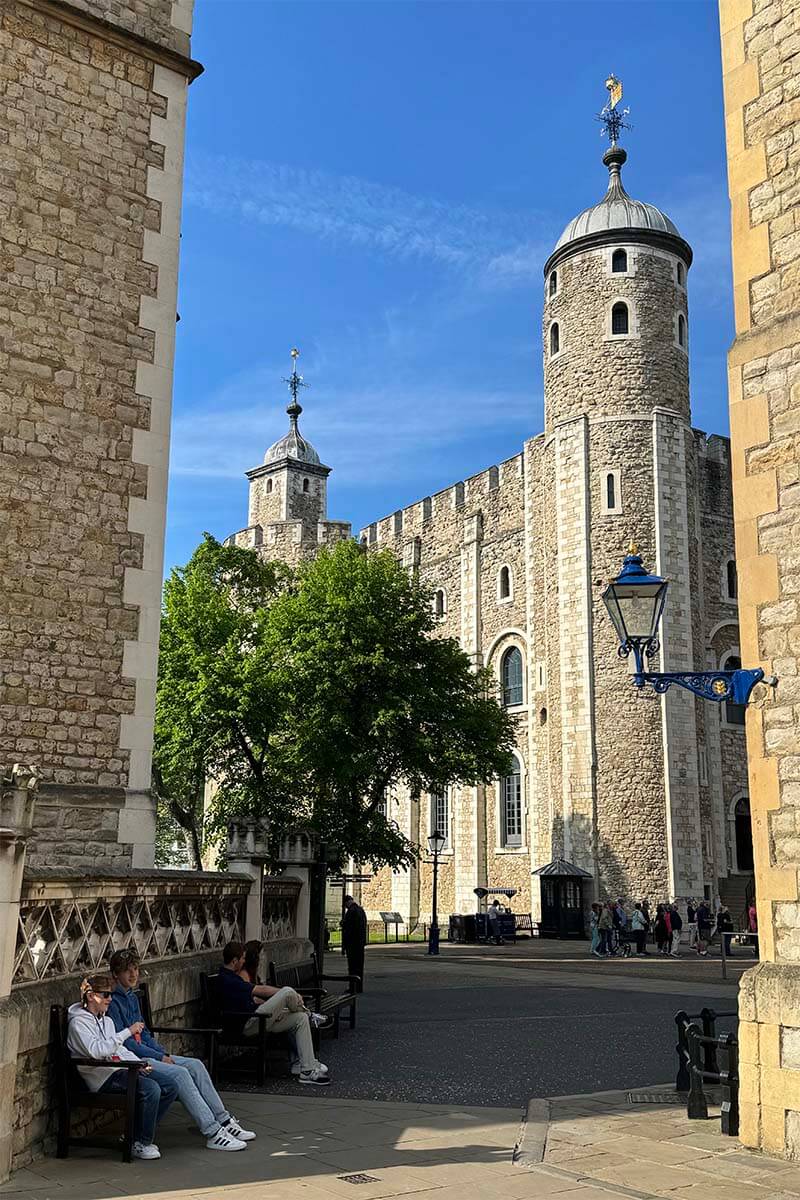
(310, 698)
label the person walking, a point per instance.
(691, 920)
(354, 939)
(676, 921)
(605, 926)
(703, 915)
(639, 930)
(752, 925)
(594, 920)
(725, 929)
(662, 929)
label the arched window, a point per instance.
(427, 508)
(511, 675)
(269, 486)
(504, 584)
(511, 807)
(619, 262)
(306, 485)
(611, 491)
(439, 603)
(731, 580)
(680, 274)
(553, 282)
(681, 330)
(554, 339)
(619, 318)
(734, 713)
(440, 815)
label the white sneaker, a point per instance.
(317, 1077)
(320, 1022)
(233, 1127)
(142, 1150)
(222, 1140)
(296, 1069)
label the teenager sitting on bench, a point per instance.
(92, 1034)
(188, 1076)
(284, 1009)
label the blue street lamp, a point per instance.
(436, 845)
(635, 601)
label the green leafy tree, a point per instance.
(219, 711)
(376, 699)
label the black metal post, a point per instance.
(682, 1080)
(433, 935)
(318, 874)
(729, 1078)
(709, 1019)
(696, 1106)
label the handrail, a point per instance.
(697, 1061)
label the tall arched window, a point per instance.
(511, 676)
(731, 580)
(619, 261)
(611, 491)
(504, 584)
(619, 318)
(681, 330)
(440, 815)
(439, 603)
(511, 807)
(553, 283)
(734, 713)
(554, 339)
(306, 485)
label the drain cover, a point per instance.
(359, 1179)
(655, 1098)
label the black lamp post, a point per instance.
(635, 602)
(436, 845)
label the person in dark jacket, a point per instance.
(676, 921)
(725, 928)
(354, 938)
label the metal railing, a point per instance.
(697, 1048)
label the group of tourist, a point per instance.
(107, 1025)
(615, 926)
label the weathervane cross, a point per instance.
(611, 117)
(295, 382)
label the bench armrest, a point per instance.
(106, 1062)
(182, 1029)
(343, 978)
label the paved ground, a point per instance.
(487, 1033)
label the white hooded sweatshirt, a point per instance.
(89, 1036)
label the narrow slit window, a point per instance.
(680, 273)
(681, 330)
(731, 580)
(439, 603)
(553, 283)
(619, 262)
(505, 583)
(427, 508)
(555, 339)
(619, 318)
(611, 491)
(306, 485)
(398, 521)
(269, 486)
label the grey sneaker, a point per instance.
(316, 1077)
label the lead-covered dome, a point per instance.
(292, 445)
(617, 215)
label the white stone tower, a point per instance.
(617, 461)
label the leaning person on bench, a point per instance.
(284, 1009)
(188, 1076)
(92, 1034)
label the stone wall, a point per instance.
(91, 214)
(762, 97)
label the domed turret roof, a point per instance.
(292, 445)
(617, 212)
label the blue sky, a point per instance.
(379, 182)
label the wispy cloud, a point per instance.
(507, 247)
(394, 433)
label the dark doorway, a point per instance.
(743, 835)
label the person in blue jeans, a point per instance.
(91, 1034)
(188, 1076)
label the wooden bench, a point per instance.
(210, 1034)
(229, 1035)
(73, 1093)
(305, 978)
